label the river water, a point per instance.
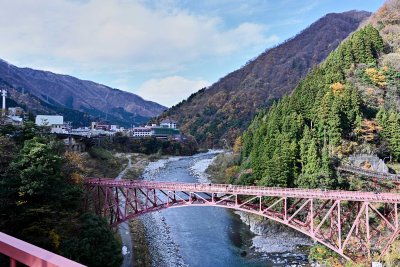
(208, 236)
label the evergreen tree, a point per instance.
(311, 164)
(327, 179)
(382, 119)
(393, 133)
(94, 244)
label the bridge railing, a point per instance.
(30, 255)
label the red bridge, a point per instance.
(354, 224)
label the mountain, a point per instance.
(63, 91)
(35, 106)
(218, 114)
(348, 105)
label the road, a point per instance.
(123, 228)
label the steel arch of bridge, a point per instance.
(353, 224)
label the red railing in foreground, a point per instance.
(30, 255)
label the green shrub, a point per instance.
(100, 153)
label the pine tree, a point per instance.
(304, 142)
(393, 133)
(334, 124)
(313, 161)
(382, 118)
(358, 47)
(375, 38)
(326, 174)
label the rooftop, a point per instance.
(168, 121)
(43, 120)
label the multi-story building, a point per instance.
(168, 123)
(167, 129)
(142, 131)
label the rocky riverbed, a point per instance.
(201, 236)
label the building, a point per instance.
(164, 132)
(142, 131)
(55, 122)
(16, 120)
(100, 126)
(50, 120)
(81, 131)
(168, 123)
(16, 111)
(11, 120)
(156, 131)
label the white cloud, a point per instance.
(170, 90)
(118, 34)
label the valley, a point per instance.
(292, 159)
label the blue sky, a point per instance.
(162, 50)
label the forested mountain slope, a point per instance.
(349, 104)
(226, 108)
(63, 91)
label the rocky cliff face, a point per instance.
(222, 111)
(85, 96)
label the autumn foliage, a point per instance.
(376, 76)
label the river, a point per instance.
(209, 236)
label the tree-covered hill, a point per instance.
(218, 114)
(348, 104)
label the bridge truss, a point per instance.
(353, 224)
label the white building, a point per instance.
(15, 111)
(56, 122)
(142, 131)
(12, 120)
(168, 123)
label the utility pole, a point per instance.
(4, 94)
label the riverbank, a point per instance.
(139, 241)
(140, 248)
(102, 163)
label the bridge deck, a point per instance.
(250, 190)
